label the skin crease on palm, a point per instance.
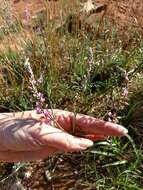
(24, 136)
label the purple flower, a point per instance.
(26, 16)
(109, 119)
(38, 30)
(125, 92)
(37, 104)
(42, 99)
(110, 114)
(40, 80)
(46, 113)
(38, 110)
(40, 95)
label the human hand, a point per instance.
(23, 137)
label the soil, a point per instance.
(124, 14)
(56, 173)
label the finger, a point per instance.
(59, 139)
(26, 156)
(92, 136)
(90, 125)
(84, 123)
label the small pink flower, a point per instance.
(125, 92)
(42, 99)
(38, 110)
(109, 119)
(110, 114)
(37, 104)
(40, 80)
(40, 95)
(46, 113)
(26, 16)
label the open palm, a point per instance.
(25, 137)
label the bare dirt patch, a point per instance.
(123, 14)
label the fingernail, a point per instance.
(84, 143)
(124, 131)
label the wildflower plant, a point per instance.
(126, 80)
(26, 17)
(40, 107)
